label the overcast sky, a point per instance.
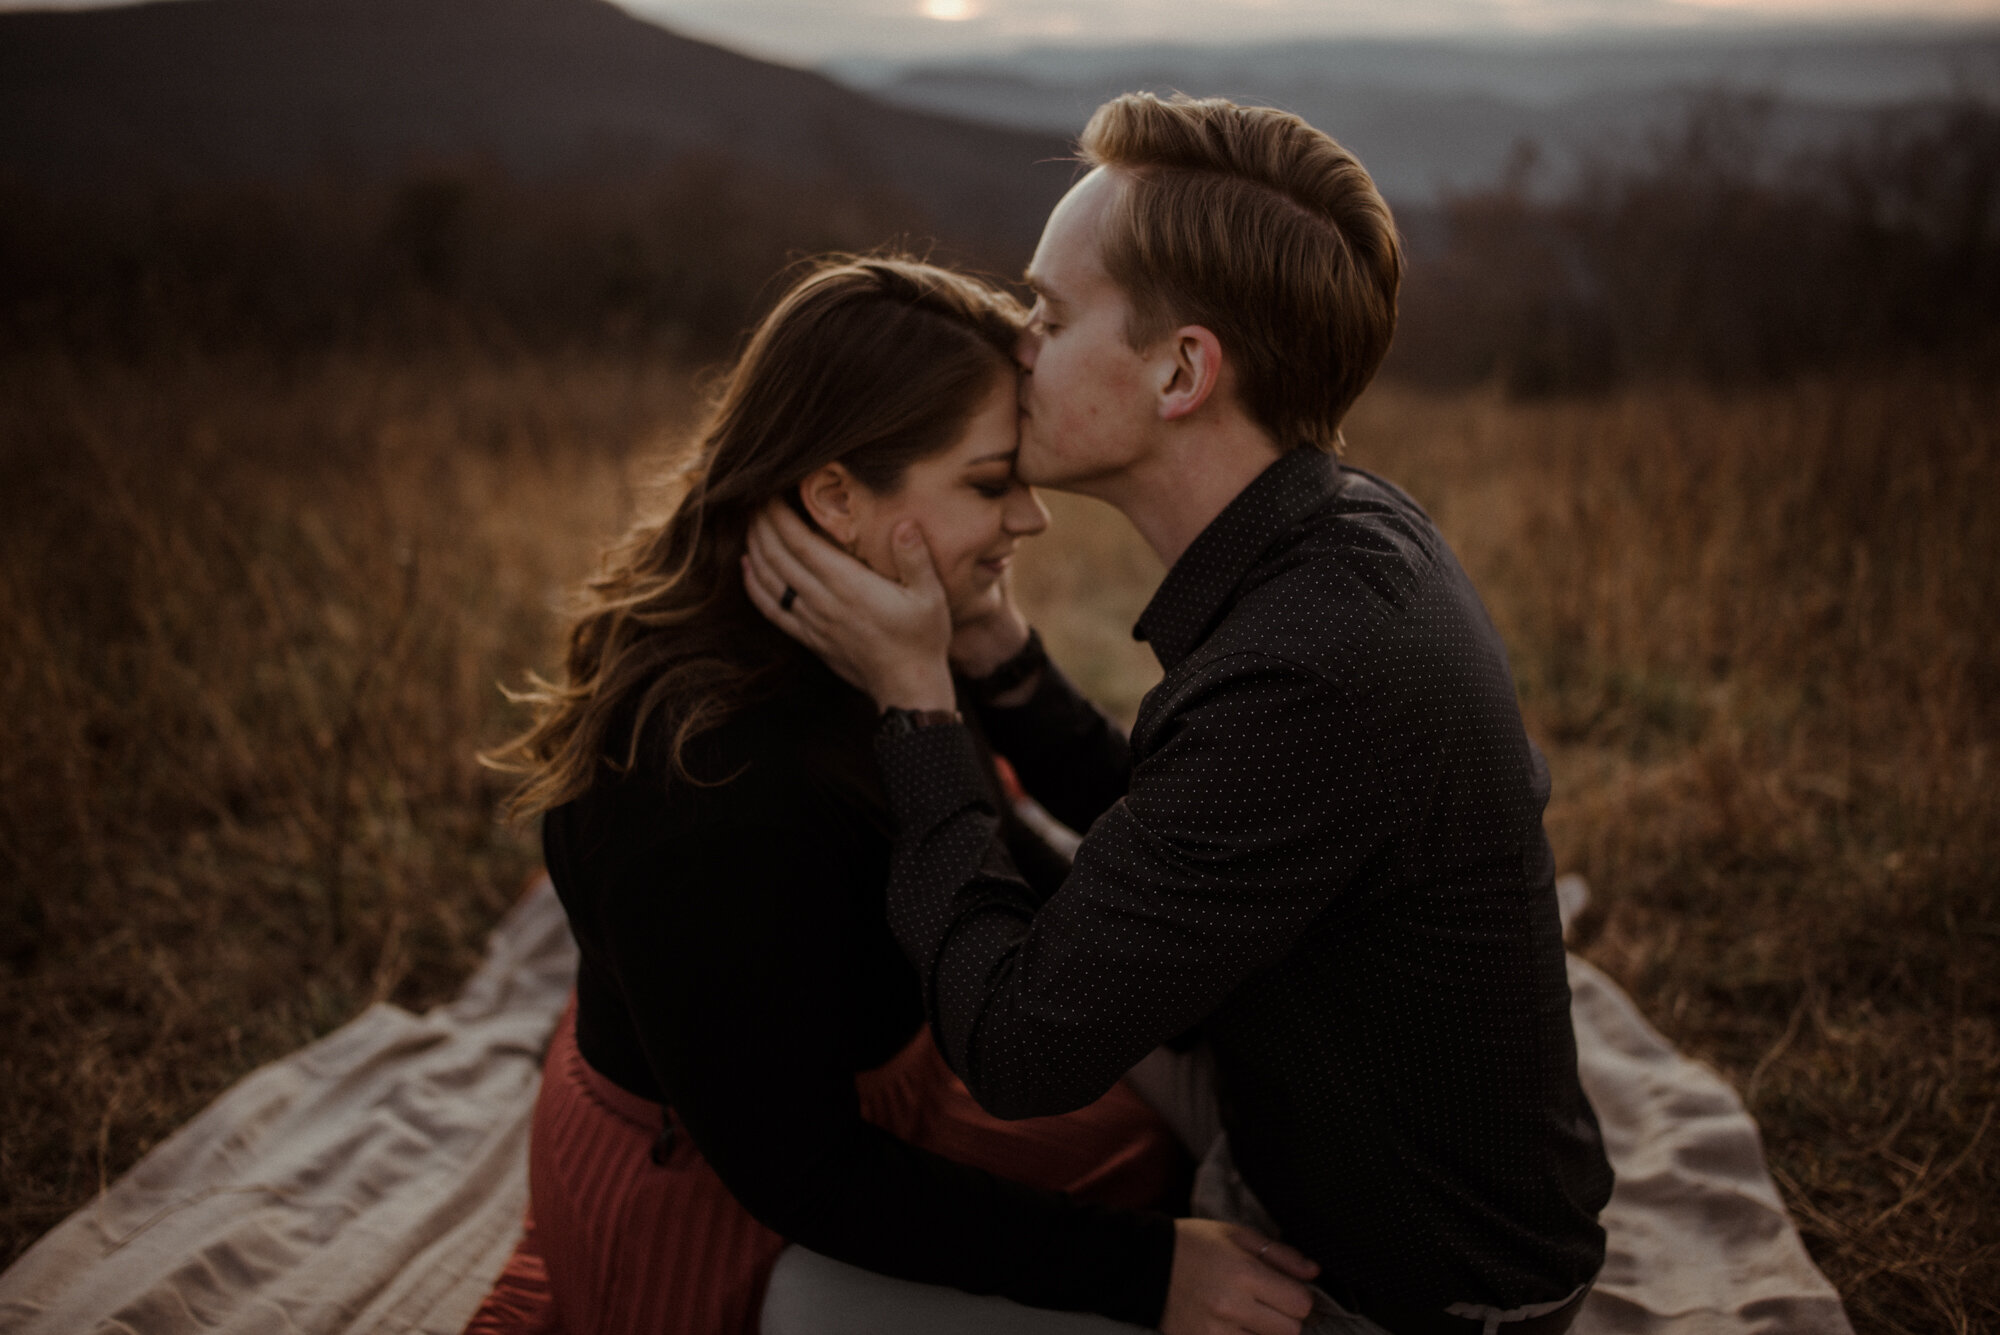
(809, 31)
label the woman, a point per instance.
(746, 1063)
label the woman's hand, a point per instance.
(887, 637)
(1219, 1286)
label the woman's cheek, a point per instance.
(975, 597)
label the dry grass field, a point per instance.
(256, 612)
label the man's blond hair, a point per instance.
(1248, 221)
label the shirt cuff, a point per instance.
(1052, 689)
(1054, 706)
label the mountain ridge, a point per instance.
(197, 90)
(1435, 115)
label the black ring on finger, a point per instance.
(787, 598)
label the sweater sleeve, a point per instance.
(1071, 758)
(725, 945)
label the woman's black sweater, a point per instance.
(737, 965)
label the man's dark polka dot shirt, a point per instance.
(1322, 853)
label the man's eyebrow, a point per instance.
(1003, 457)
(1041, 289)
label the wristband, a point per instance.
(1029, 659)
(902, 722)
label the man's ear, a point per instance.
(1190, 370)
(832, 496)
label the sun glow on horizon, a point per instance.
(812, 32)
(1824, 10)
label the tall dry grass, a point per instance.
(255, 614)
(258, 609)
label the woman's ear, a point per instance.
(832, 497)
(1190, 369)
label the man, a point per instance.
(1322, 856)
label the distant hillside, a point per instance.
(1432, 115)
(200, 91)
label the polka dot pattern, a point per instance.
(1329, 864)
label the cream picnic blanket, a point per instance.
(374, 1181)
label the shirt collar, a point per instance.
(1195, 593)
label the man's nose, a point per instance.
(1025, 348)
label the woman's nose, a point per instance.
(1026, 515)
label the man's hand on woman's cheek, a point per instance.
(887, 637)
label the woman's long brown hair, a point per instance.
(873, 363)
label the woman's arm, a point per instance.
(1071, 758)
(728, 951)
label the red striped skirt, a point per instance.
(619, 1245)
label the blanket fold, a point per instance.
(375, 1181)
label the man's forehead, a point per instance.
(1066, 262)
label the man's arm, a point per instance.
(1204, 874)
(1263, 790)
